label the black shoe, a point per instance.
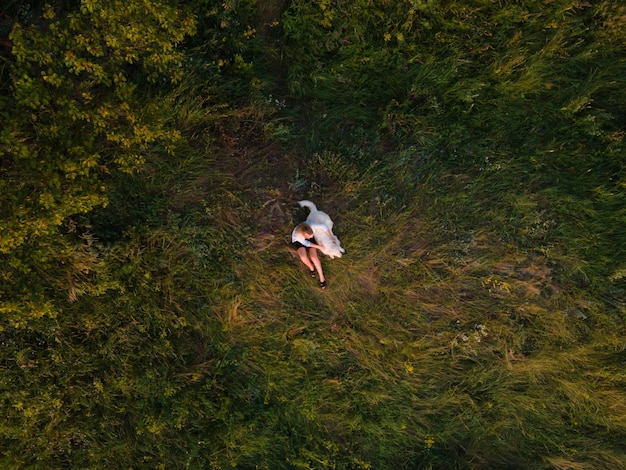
(323, 284)
(312, 273)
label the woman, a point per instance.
(306, 247)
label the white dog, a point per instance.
(324, 236)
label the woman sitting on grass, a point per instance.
(305, 245)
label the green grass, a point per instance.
(471, 331)
(476, 320)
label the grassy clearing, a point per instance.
(475, 321)
(439, 339)
(458, 331)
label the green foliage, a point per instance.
(472, 158)
(482, 85)
(75, 115)
(225, 45)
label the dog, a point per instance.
(323, 235)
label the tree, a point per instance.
(75, 114)
(77, 111)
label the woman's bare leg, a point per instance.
(316, 261)
(305, 258)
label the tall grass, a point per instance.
(436, 342)
(475, 320)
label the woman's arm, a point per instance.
(319, 247)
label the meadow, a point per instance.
(471, 154)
